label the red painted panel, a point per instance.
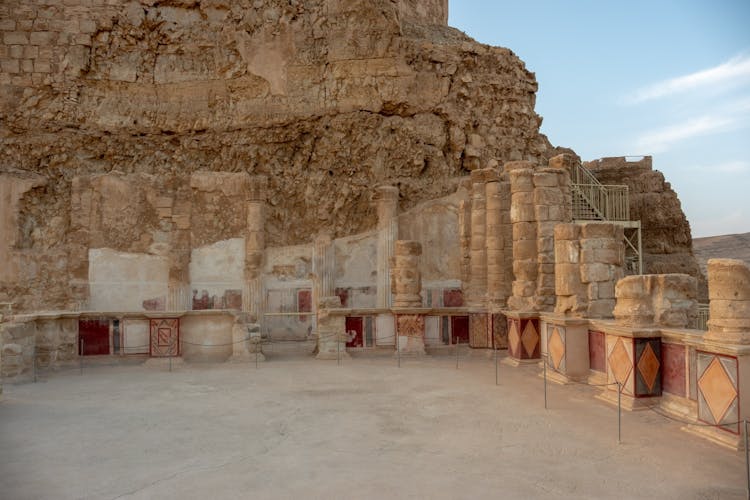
(202, 301)
(304, 303)
(597, 352)
(453, 298)
(354, 331)
(233, 299)
(673, 369)
(460, 329)
(343, 294)
(95, 336)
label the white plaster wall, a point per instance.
(385, 330)
(356, 259)
(136, 336)
(432, 330)
(218, 267)
(121, 281)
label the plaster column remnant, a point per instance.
(255, 245)
(523, 218)
(385, 199)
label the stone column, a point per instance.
(407, 301)
(255, 245)
(464, 234)
(602, 265)
(179, 208)
(385, 199)
(549, 210)
(331, 329)
(478, 254)
(496, 278)
(246, 339)
(571, 293)
(729, 295)
(323, 270)
(523, 218)
(78, 242)
(723, 362)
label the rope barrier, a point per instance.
(685, 422)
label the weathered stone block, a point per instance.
(595, 272)
(567, 232)
(15, 38)
(597, 230)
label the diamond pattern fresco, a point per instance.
(619, 362)
(717, 390)
(556, 348)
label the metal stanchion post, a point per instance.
(458, 344)
(747, 460)
(544, 364)
(171, 350)
(619, 413)
(496, 382)
(398, 350)
(34, 363)
(80, 357)
(338, 350)
(257, 348)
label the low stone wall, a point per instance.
(53, 338)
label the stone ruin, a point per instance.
(186, 179)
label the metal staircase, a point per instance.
(594, 201)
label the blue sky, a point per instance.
(662, 77)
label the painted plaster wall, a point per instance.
(217, 272)
(435, 225)
(287, 271)
(356, 260)
(136, 336)
(122, 281)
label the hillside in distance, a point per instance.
(727, 246)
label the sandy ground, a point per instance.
(301, 428)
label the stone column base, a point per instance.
(328, 351)
(629, 403)
(163, 363)
(246, 357)
(410, 347)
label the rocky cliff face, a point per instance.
(326, 97)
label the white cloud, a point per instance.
(732, 72)
(660, 140)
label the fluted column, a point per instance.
(255, 245)
(385, 199)
(323, 270)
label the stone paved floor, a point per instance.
(300, 428)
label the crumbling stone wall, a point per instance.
(667, 241)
